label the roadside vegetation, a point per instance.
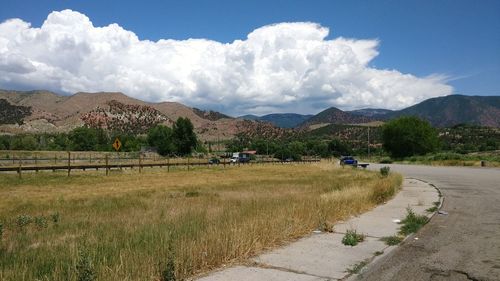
(489, 159)
(352, 238)
(412, 222)
(392, 240)
(178, 140)
(158, 225)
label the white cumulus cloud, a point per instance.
(285, 67)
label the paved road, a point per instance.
(464, 245)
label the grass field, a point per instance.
(128, 226)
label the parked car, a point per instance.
(244, 159)
(213, 161)
(348, 160)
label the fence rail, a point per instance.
(137, 163)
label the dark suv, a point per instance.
(348, 160)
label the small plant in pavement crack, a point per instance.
(355, 269)
(392, 240)
(352, 238)
(412, 222)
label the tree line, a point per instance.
(179, 140)
(402, 137)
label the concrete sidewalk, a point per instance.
(322, 256)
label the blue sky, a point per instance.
(456, 38)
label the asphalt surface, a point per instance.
(463, 245)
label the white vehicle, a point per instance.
(235, 158)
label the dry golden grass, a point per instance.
(207, 217)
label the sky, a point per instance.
(254, 57)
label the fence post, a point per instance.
(168, 164)
(69, 163)
(140, 163)
(119, 160)
(19, 169)
(224, 162)
(36, 163)
(107, 167)
(188, 163)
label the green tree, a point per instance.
(297, 149)
(25, 142)
(5, 142)
(338, 148)
(60, 142)
(83, 139)
(184, 136)
(104, 143)
(161, 137)
(407, 136)
(238, 143)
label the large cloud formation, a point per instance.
(278, 68)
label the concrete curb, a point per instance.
(352, 277)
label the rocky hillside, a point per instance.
(131, 118)
(282, 120)
(334, 115)
(210, 115)
(13, 114)
(49, 112)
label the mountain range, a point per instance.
(44, 111)
(455, 109)
(444, 111)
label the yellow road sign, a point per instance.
(117, 144)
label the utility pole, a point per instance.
(368, 142)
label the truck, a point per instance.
(239, 157)
(349, 160)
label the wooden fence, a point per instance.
(107, 163)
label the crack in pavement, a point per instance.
(267, 266)
(449, 273)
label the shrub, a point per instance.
(384, 171)
(41, 222)
(352, 238)
(24, 220)
(412, 222)
(84, 267)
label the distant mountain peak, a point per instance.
(282, 120)
(334, 115)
